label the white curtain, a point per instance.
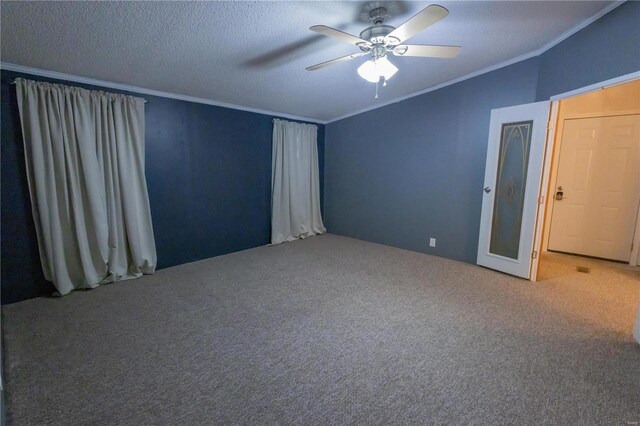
(295, 182)
(85, 167)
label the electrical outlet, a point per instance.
(432, 242)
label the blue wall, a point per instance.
(208, 173)
(608, 48)
(412, 170)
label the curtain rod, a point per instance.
(145, 101)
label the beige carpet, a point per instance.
(329, 330)
(605, 280)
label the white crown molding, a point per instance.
(135, 89)
(141, 90)
(506, 63)
(608, 8)
(438, 86)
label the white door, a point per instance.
(597, 187)
(515, 156)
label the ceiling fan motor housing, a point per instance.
(376, 34)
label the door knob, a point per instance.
(487, 189)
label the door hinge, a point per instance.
(534, 254)
(541, 199)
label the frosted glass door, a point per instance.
(513, 171)
(513, 161)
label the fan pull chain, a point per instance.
(377, 89)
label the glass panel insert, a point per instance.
(515, 142)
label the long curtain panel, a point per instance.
(295, 182)
(84, 154)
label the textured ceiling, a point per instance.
(253, 54)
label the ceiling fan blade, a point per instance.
(427, 51)
(335, 61)
(427, 17)
(340, 35)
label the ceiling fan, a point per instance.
(380, 39)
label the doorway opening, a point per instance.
(591, 182)
(563, 175)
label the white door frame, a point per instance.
(546, 173)
(597, 86)
(544, 188)
(635, 253)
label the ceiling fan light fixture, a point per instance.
(385, 68)
(368, 71)
(372, 70)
